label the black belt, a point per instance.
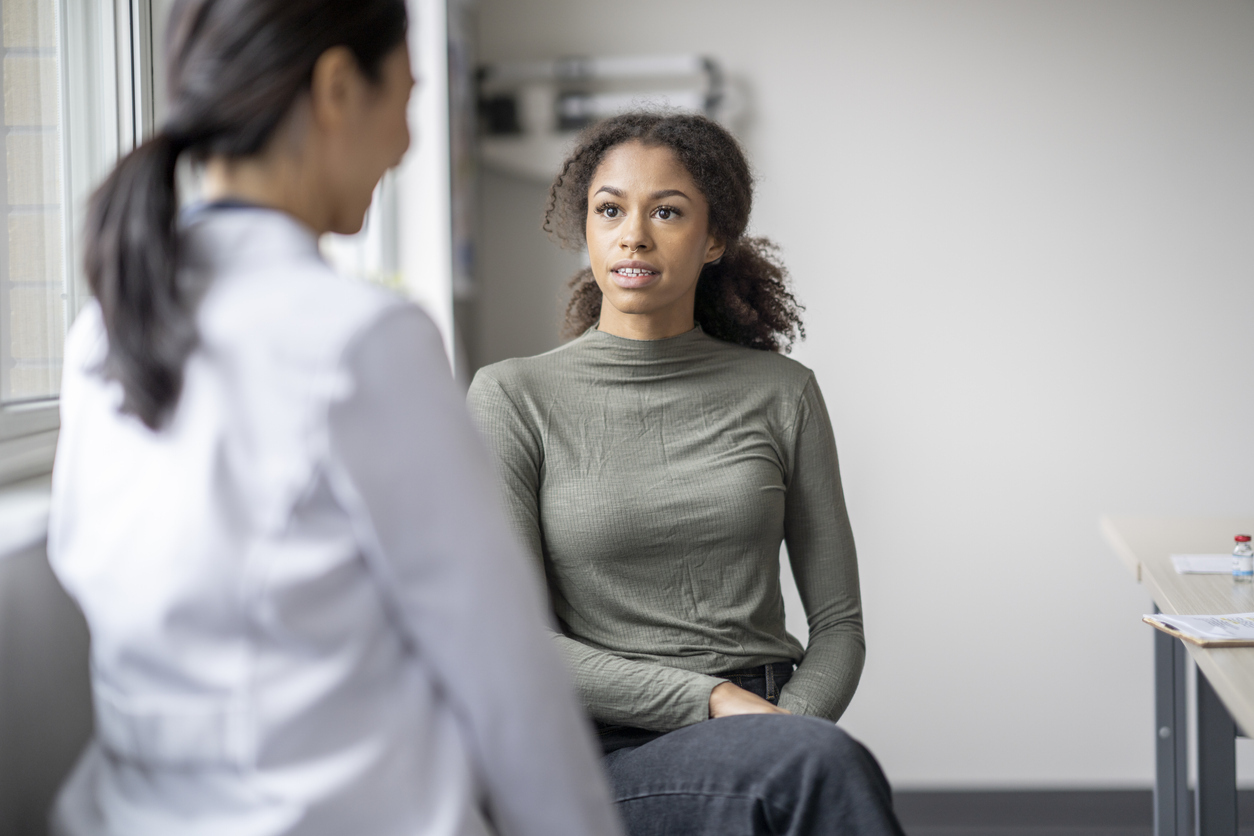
(776, 675)
(777, 669)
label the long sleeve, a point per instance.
(615, 690)
(411, 471)
(824, 563)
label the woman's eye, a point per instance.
(608, 210)
(665, 213)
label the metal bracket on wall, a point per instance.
(529, 113)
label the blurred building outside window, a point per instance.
(34, 300)
(67, 91)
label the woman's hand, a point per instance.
(728, 700)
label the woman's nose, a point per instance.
(634, 236)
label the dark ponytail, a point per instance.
(235, 68)
(131, 268)
(744, 298)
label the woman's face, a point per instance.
(648, 238)
(375, 136)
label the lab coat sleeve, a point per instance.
(407, 463)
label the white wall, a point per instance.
(1022, 231)
(521, 276)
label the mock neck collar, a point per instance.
(624, 350)
(695, 333)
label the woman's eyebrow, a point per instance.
(655, 196)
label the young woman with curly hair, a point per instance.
(654, 465)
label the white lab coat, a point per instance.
(307, 614)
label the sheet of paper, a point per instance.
(1235, 626)
(1202, 564)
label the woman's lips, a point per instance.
(633, 278)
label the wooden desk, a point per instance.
(1225, 678)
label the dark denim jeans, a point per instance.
(750, 775)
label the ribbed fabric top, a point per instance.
(653, 481)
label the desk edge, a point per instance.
(1110, 533)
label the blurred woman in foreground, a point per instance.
(307, 614)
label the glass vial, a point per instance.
(1243, 559)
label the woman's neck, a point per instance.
(273, 183)
(652, 325)
(285, 175)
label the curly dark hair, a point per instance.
(744, 297)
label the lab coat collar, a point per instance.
(230, 236)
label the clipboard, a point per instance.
(1201, 640)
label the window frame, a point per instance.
(28, 429)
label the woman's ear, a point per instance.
(715, 247)
(332, 87)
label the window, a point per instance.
(76, 82)
(68, 91)
(32, 253)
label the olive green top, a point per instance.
(653, 481)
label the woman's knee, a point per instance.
(797, 755)
(747, 748)
(774, 742)
(820, 742)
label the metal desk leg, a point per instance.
(1216, 764)
(1171, 790)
